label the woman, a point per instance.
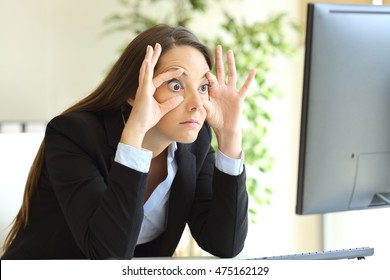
(122, 172)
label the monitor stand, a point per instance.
(380, 199)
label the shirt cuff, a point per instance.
(230, 166)
(137, 159)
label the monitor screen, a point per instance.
(344, 156)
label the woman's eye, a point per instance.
(175, 85)
(204, 88)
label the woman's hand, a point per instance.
(146, 110)
(224, 108)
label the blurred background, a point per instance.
(54, 52)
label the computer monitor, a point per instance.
(344, 156)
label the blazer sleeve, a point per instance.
(219, 215)
(102, 200)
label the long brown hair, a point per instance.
(120, 84)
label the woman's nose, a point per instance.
(194, 101)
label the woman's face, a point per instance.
(183, 123)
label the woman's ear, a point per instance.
(130, 101)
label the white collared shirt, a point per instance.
(156, 207)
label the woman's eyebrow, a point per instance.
(176, 68)
(185, 74)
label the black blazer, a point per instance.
(89, 206)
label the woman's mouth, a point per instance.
(190, 123)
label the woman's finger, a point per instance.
(146, 72)
(220, 68)
(141, 77)
(155, 55)
(146, 84)
(213, 83)
(166, 76)
(249, 79)
(232, 73)
(170, 104)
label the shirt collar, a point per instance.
(171, 152)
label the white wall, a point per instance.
(17, 152)
(363, 228)
(52, 54)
